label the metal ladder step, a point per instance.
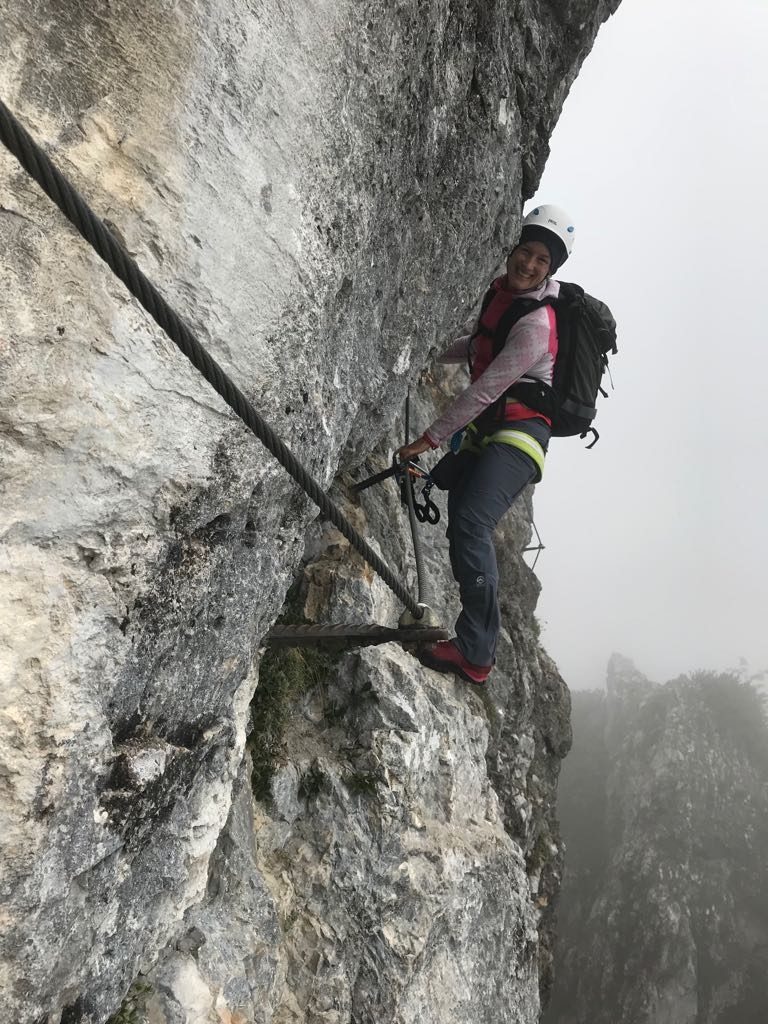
(346, 635)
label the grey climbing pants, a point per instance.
(486, 487)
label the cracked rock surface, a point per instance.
(322, 190)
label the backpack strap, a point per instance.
(487, 299)
(516, 311)
(534, 393)
(590, 430)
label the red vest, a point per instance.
(485, 349)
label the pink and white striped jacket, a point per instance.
(529, 352)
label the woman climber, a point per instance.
(504, 441)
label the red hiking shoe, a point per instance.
(445, 656)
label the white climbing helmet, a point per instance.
(557, 221)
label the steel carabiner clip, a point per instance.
(428, 512)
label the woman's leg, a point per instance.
(490, 487)
(455, 494)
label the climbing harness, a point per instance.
(56, 186)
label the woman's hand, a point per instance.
(410, 451)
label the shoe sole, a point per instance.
(449, 668)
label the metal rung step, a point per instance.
(345, 635)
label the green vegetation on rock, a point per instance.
(132, 1008)
(285, 675)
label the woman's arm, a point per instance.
(527, 344)
(458, 351)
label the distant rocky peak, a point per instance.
(664, 812)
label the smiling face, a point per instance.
(527, 266)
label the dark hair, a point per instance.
(558, 254)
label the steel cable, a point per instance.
(56, 186)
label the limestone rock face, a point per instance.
(394, 856)
(664, 918)
(322, 190)
(405, 831)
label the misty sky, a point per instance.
(657, 540)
